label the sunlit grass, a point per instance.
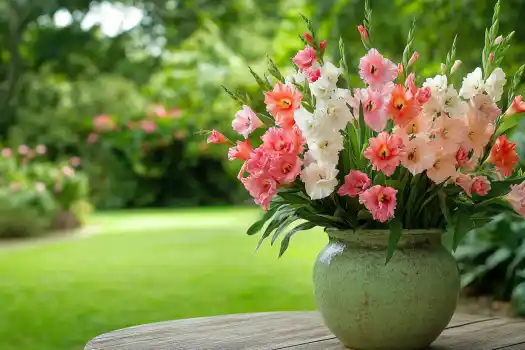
(145, 266)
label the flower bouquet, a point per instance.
(393, 164)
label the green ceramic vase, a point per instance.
(404, 305)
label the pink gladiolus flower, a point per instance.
(419, 156)
(465, 182)
(373, 108)
(262, 188)
(75, 162)
(23, 150)
(313, 74)
(305, 58)
(282, 141)
(462, 157)
(504, 156)
(41, 149)
(380, 201)
(481, 186)
(517, 106)
(216, 137)
(259, 161)
(444, 167)
(423, 95)
(516, 198)
(385, 152)
(246, 121)
(375, 70)
(7, 152)
(478, 134)
(402, 107)
(356, 182)
(282, 103)
(92, 138)
(485, 107)
(450, 133)
(414, 58)
(242, 150)
(285, 168)
(363, 32)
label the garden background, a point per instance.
(101, 108)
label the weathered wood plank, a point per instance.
(293, 330)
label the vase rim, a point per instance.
(379, 237)
(417, 231)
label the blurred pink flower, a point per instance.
(162, 112)
(68, 171)
(75, 161)
(41, 149)
(92, 138)
(23, 150)
(148, 126)
(103, 122)
(7, 152)
(14, 186)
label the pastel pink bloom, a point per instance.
(380, 201)
(373, 108)
(478, 134)
(423, 95)
(375, 70)
(282, 103)
(246, 121)
(216, 137)
(279, 140)
(450, 132)
(485, 107)
(148, 126)
(242, 150)
(92, 138)
(299, 140)
(516, 198)
(363, 32)
(356, 182)
(23, 150)
(481, 186)
(68, 171)
(41, 149)
(162, 112)
(420, 124)
(305, 58)
(285, 168)
(262, 188)
(103, 122)
(7, 152)
(444, 167)
(418, 156)
(385, 152)
(259, 161)
(517, 106)
(75, 162)
(465, 182)
(313, 74)
(414, 58)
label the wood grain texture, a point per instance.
(294, 330)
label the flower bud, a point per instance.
(322, 45)
(363, 32)
(491, 57)
(517, 106)
(400, 69)
(413, 59)
(443, 68)
(498, 40)
(308, 37)
(455, 66)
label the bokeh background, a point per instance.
(113, 209)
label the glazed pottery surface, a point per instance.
(403, 305)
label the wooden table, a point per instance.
(294, 330)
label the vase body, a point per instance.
(403, 305)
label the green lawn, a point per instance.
(147, 266)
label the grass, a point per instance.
(147, 266)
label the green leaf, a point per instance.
(258, 225)
(380, 179)
(396, 228)
(294, 198)
(286, 240)
(284, 225)
(518, 299)
(463, 224)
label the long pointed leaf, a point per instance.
(286, 240)
(396, 228)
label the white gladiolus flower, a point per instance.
(495, 83)
(336, 112)
(312, 125)
(323, 88)
(330, 72)
(327, 147)
(473, 84)
(453, 105)
(319, 179)
(438, 85)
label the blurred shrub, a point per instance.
(36, 195)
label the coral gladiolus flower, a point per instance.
(282, 102)
(216, 137)
(375, 70)
(504, 156)
(285, 168)
(385, 152)
(380, 201)
(305, 58)
(246, 121)
(242, 150)
(517, 106)
(356, 182)
(262, 188)
(516, 198)
(402, 107)
(282, 141)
